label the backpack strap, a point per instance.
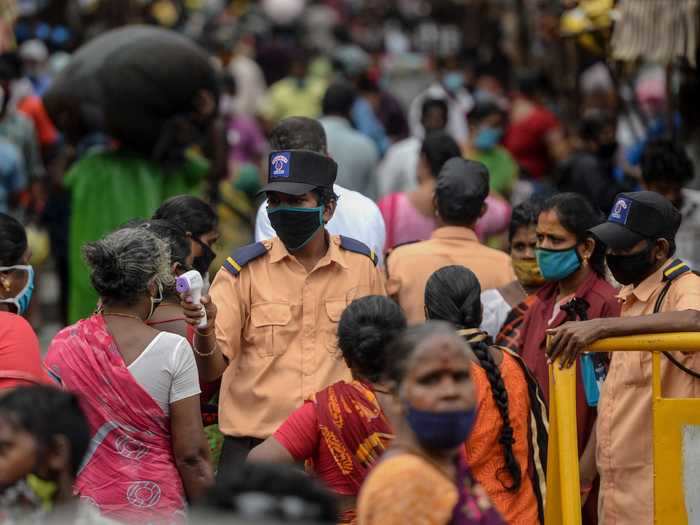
(674, 270)
(235, 263)
(353, 245)
(671, 273)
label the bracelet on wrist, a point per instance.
(202, 354)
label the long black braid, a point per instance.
(453, 294)
(500, 396)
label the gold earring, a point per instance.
(6, 285)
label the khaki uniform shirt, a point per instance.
(410, 266)
(277, 326)
(624, 434)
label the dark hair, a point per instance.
(483, 110)
(324, 195)
(191, 213)
(406, 343)
(666, 161)
(173, 235)
(10, 65)
(46, 413)
(524, 214)
(453, 294)
(13, 240)
(593, 124)
(439, 147)
(238, 491)
(227, 83)
(366, 329)
(299, 133)
(338, 99)
(430, 103)
(532, 83)
(367, 84)
(577, 216)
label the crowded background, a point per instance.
(298, 260)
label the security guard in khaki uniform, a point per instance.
(279, 303)
(460, 195)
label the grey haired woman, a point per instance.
(139, 388)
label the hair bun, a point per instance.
(106, 274)
(100, 257)
(369, 337)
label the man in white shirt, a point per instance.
(355, 216)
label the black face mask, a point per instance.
(203, 262)
(296, 226)
(631, 269)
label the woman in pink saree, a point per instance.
(139, 389)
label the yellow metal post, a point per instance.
(671, 419)
(563, 506)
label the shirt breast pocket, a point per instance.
(334, 309)
(637, 370)
(269, 328)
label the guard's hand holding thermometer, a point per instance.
(190, 285)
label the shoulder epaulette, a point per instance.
(243, 256)
(353, 245)
(675, 269)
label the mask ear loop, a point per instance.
(30, 280)
(155, 301)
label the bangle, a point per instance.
(201, 354)
(585, 490)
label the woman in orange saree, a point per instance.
(507, 449)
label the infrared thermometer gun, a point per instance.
(190, 284)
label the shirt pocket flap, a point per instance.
(270, 314)
(334, 309)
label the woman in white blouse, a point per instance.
(139, 388)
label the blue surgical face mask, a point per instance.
(556, 265)
(487, 138)
(453, 81)
(23, 298)
(440, 430)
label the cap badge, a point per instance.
(279, 165)
(620, 211)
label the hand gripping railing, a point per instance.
(676, 432)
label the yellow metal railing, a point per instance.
(670, 419)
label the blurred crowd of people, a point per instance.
(338, 234)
